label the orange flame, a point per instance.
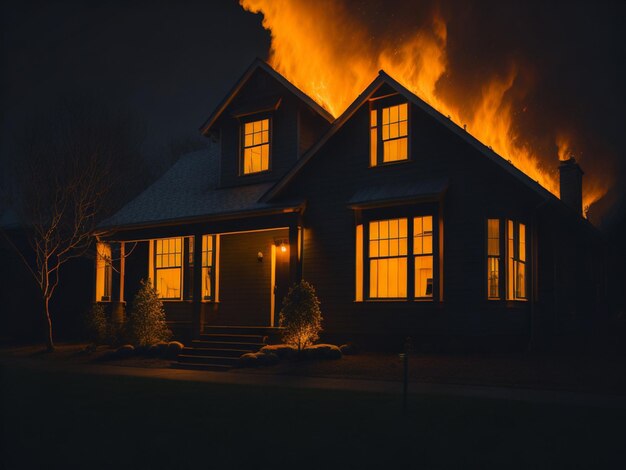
(324, 52)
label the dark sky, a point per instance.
(172, 62)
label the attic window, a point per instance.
(256, 146)
(389, 134)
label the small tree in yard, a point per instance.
(146, 321)
(301, 316)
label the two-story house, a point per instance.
(406, 225)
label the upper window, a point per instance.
(389, 134)
(256, 146)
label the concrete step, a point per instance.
(221, 352)
(196, 344)
(196, 359)
(242, 330)
(233, 338)
(192, 366)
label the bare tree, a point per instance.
(73, 168)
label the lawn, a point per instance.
(71, 420)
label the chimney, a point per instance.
(571, 179)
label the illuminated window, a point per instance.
(104, 272)
(168, 267)
(514, 234)
(493, 258)
(358, 295)
(389, 131)
(256, 146)
(516, 261)
(423, 253)
(388, 258)
(208, 254)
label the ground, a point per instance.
(57, 415)
(574, 372)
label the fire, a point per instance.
(322, 50)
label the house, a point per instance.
(406, 225)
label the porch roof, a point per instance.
(389, 194)
(188, 191)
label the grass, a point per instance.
(69, 420)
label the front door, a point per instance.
(280, 279)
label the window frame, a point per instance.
(181, 267)
(242, 141)
(378, 105)
(410, 214)
(504, 282)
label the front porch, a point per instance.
(216, 277)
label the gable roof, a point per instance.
(382, 79)
(188, 191)
(262, 65)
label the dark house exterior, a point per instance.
(404, 223)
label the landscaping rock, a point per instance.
(283, 351)
(127, 350)
(174, 348)
(322, 351)
(248, 360)
(267, 358)
(348, 349)
(160, 349)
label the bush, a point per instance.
(146, 322)
(97, 324)
(248, 360)
(301, 317)
(322, 351)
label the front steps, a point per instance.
(219, 347)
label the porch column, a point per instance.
(118, 305)
(196, 320)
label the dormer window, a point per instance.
(389, 134)
(256, 146)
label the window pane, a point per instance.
(520, 280)
(423, 276)
(373, 118)
(522, 242)
(168, 283)
(493, 277)
(359, 264)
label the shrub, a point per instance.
(146, 321)
(301, 317)
(322, 351)
(248, 360)
(97, 325)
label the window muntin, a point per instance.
(256, 146)
(493, 258)
(104, 272)
(168, 267)
(388, 258)
(423, 254)
(390, 142)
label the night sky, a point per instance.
(172, 62)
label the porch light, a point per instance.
(283, 247)
(259, 256)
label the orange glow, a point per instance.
(283, 248)
(322, 50)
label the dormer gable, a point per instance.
(264, 125)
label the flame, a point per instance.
(323, 51)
